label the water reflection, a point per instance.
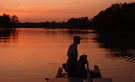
(69, 31)
(84, 33)
(8, 35)
(121, 44)
(38, 53)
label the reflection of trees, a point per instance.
(122, 44)
(8, 34)
(124, 54)
(67, 31)
(79, 31)
(84, 33)
(115, 26)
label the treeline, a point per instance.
(120, 16)
(80, 23)
(116, 26)
(116, 30)
(7, 21)
(117, 17)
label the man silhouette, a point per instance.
(72, 57)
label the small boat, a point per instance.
(96, 76)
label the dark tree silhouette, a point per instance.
(7, 21)
(75, 23)
(115, 27)
(117, 17)
(82, 22)
(14, 19)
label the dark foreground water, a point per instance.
(31, 54)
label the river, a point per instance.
(32, 54)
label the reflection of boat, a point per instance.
(62, 76)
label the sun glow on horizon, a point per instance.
(54, 10)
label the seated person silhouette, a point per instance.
(81, 70)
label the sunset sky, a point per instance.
(54, 10)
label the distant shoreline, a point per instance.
(119, 16)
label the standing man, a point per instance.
(72, 57)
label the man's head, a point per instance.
(77, 39)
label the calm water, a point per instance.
(31, 54)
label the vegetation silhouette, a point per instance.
(115, 27)
(79, 23)
(7, 21)
(117, 17)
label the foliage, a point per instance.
(7, 21)
(118, 16)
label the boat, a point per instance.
(62, 75)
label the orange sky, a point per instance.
(54, 10)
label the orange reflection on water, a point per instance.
(37, 53)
